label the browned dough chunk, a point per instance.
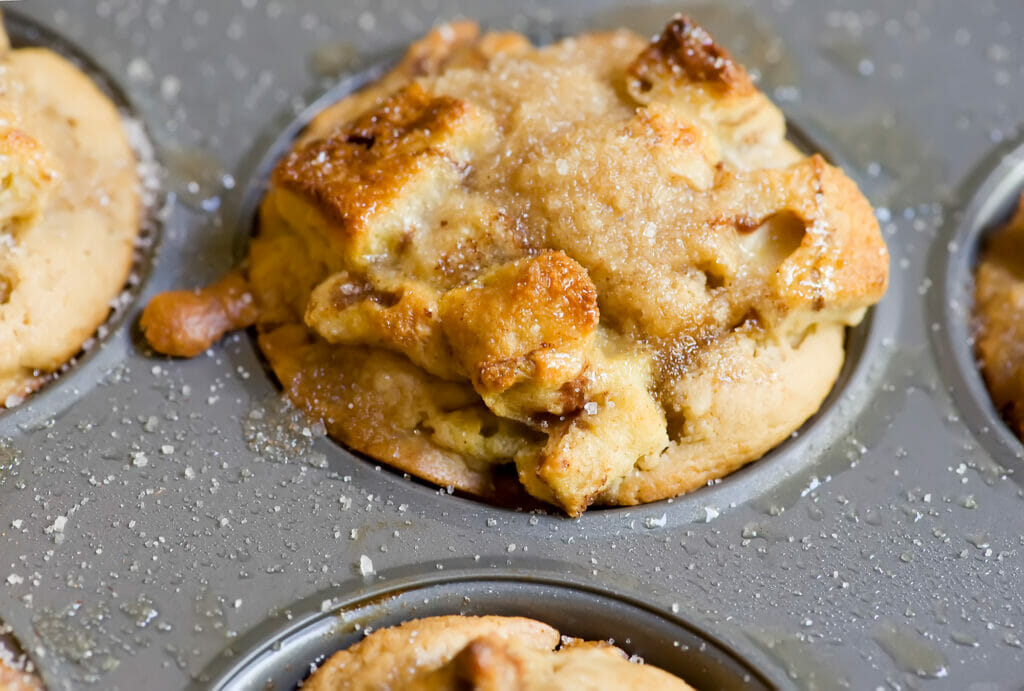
(686, 49)
(184, 323)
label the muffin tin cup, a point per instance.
(279, 653)
(988, 199)
(774, 478)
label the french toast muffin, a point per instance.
(460, 652)
(69, 214)
(999, 315)
(596, 267)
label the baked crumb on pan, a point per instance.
(461, 652)
(69, 214)
(598, 261)
(183, 323)
(999, 315)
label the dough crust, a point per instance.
(69, 214)
(486, 653)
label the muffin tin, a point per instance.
(147, 536)
(990, 205)
(336, 618)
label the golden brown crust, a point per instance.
(749, 131)
(594, 262)
(355, 174)
(490, 653)
(710, 408)
(184, 323)
(356, 310)
(999, 311)
(685, 48)
(523, 320)
(385, 407)
(458, 44)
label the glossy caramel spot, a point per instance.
(685, 48)
(184, 323)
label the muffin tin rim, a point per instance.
(356, 593)
(985, 198)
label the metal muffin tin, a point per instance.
(148, 536)
(334, 619)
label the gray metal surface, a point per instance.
(141, 536)
(334, 619)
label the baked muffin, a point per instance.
(17, 671)
(597, 267)
(13, 678)
(69, 214)
(456, 652)
(999, 313)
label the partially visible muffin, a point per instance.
(17, 671)
(999, 314)
(597, 267)
(451, 653)
(14, 678)
(69, 214)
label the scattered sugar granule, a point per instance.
(366, 565)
